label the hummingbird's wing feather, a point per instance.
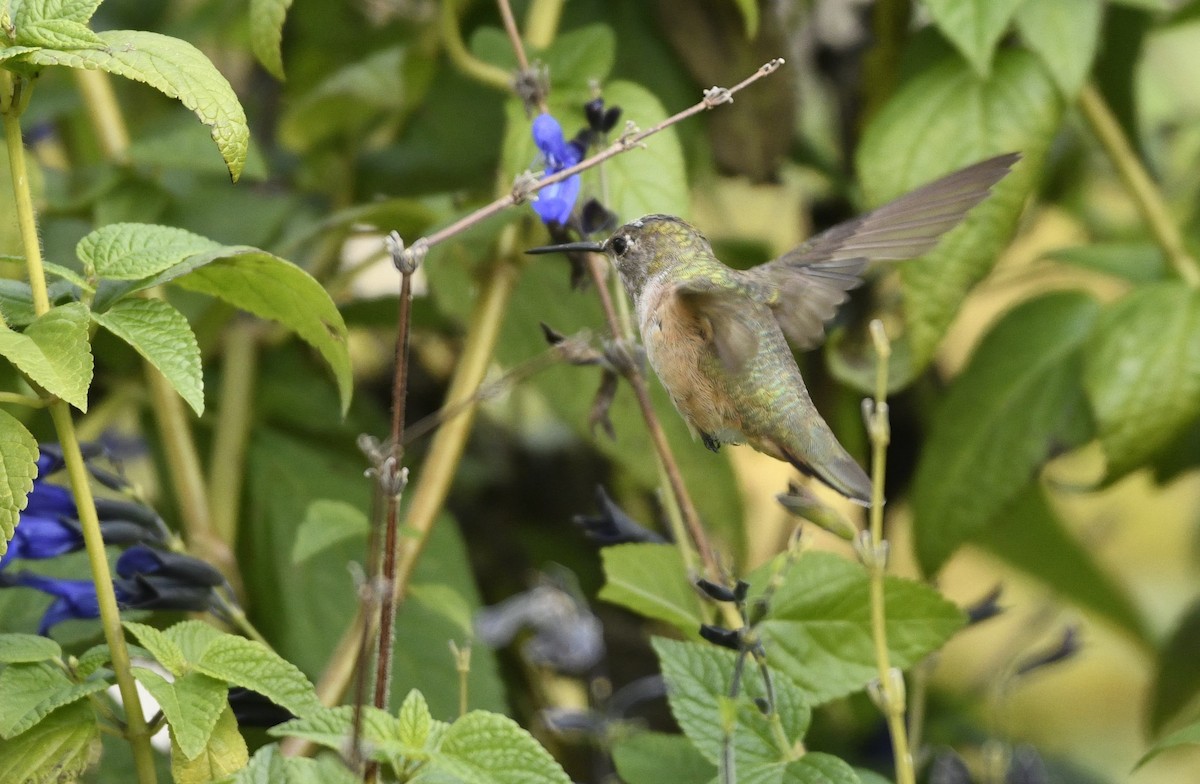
(719, 311)
(804, 286)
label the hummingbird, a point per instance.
(718, 337)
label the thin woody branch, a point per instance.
(524, 187)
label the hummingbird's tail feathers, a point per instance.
(842, 474)
(910, 225)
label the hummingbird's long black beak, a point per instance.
(594, 247)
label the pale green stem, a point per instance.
(1145, 193)
(541, 22)
(462, 59)
(873, 551)
(11, 103)
(183, 464)
(228, 461)
(104, 113)
(17, 399)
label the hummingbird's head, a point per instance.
(642, 249)
(653, 245)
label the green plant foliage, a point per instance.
(63, 744)
(1028, 534)
(161, 334)
(32, 691)
(657, 758)
(224, 754)
(327, 523)
(817, 628)
(173, 67)
(948, 117)
(1142, 372)
(1023, 379)
(698, 677)
(27, 648)
(266, 32)
(191, 703)
(1064, 34)
(18, 467)
(1185, 735)
(650, 579)
(1177, 680)
(974, 26)
(54, 352)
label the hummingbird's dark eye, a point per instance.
(620, 245)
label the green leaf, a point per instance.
(818, 626)
(650, 579)
(278, 290)
(79, 11)
(1176, 690)
(749, 12)
(133, 251)
(54, 352)
(60, 34)
(348, 102)
(25, 648)
(191, 704)
(92, 660)
(18, 467)
(817, 768)
(332, 728)
(651, 180)
(973, 26)
(225, 753)
(60, 748)
(487, 748)
(944, 119)
(1029, 535)
(1065, 35)
(268, 766)
(254, 666)
(164, 649)
(174, 68)
(1136, 262)
(1185, 735)
(162, 335)
(326, 523)
(657, 758)
(1142, 372)
(415, 721)
(32, 691)
(1015, 404)
(193, 638)
(698, 676)
(579, 57)
(266, 33)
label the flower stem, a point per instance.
(11, 103)
(461, 57)
(873, 550)
(227, 464)
(1145, 193)
(541, 22)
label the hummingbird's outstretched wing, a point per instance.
(805, 286)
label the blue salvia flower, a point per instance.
(73, 598)
(555, 202)
(49, 525)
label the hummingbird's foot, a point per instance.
(710, 443)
